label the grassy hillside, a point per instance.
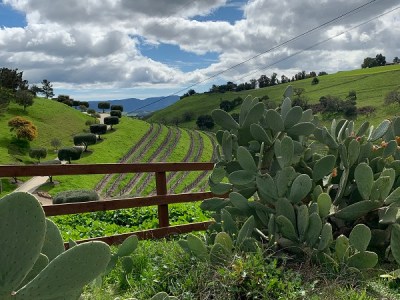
(53, 120)
(371, 86)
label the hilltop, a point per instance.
(371, 85)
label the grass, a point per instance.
(371, 86)
(53, 120)
(112, 148)
(162, 265)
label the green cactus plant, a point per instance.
(305, 184)
(27, 273)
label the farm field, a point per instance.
(371, 85)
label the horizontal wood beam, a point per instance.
(82, 169)
(150, 234)
(103, 205)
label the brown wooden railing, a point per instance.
(162, 199)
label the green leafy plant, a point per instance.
(34, 264)
(305, 184)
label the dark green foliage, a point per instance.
(75, 196)
(104, 105)
(85, 139)
(47, 89)
(68, 154)
(98, 129)
(235, 116)
(117, 107)
(370, 62)
(315, 81)
(226, 105)
(111, 121)
(205, 122)
(188, 116)
(115, 113)
(11, 79)
(38, 153)
(191, 92)
(24, 98)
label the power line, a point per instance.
(262, 53)
(318, 43)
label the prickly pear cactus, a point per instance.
(25, 272)
(305, 184)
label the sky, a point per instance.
(116, 49)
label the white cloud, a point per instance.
(93, 44)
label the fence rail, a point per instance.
(161, 200)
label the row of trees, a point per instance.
(263, 81)
(14, 88)
(378, 60)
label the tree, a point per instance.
(23, 128)
(315, 81)
(11, 79)
(116, 113)
(380, 59)
(322, 73)
(98, 129)
(103, 105)
(47, 89)
(68, 154)
(205, 122)
(35, 90)
(191, 92)
(111, 121)
(117, 107)
(24, 98)
(55, 143)
(226, 105)
(38, 153)
(392, 97)
(369, 62)
(396, 60)
(298, 91)
(188, 116)
(5, 97)
(85, 139)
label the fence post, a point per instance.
(161, 186)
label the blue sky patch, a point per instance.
(173, 56)
(231, 12)
(10, 17)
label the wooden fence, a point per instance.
(162, 199)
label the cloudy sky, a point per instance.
(114, 49)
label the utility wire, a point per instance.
(262, 53)
(318, 43)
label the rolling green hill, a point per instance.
(132, 141)
(53, 120)
(371, 86)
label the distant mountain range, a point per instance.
(132, 106)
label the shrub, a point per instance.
(23, 128)
(188, 116)
(103, 105)
(85, 139)
(226, 105)
(315, 81)
(116, 113)
(205, 122)
(392, 97)
(91, 111)
(235, 116)
(38, 153)
(98, 129)
(75, 196)
(55, 143)
(68, 154)
(111, 121)
(117, 107)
